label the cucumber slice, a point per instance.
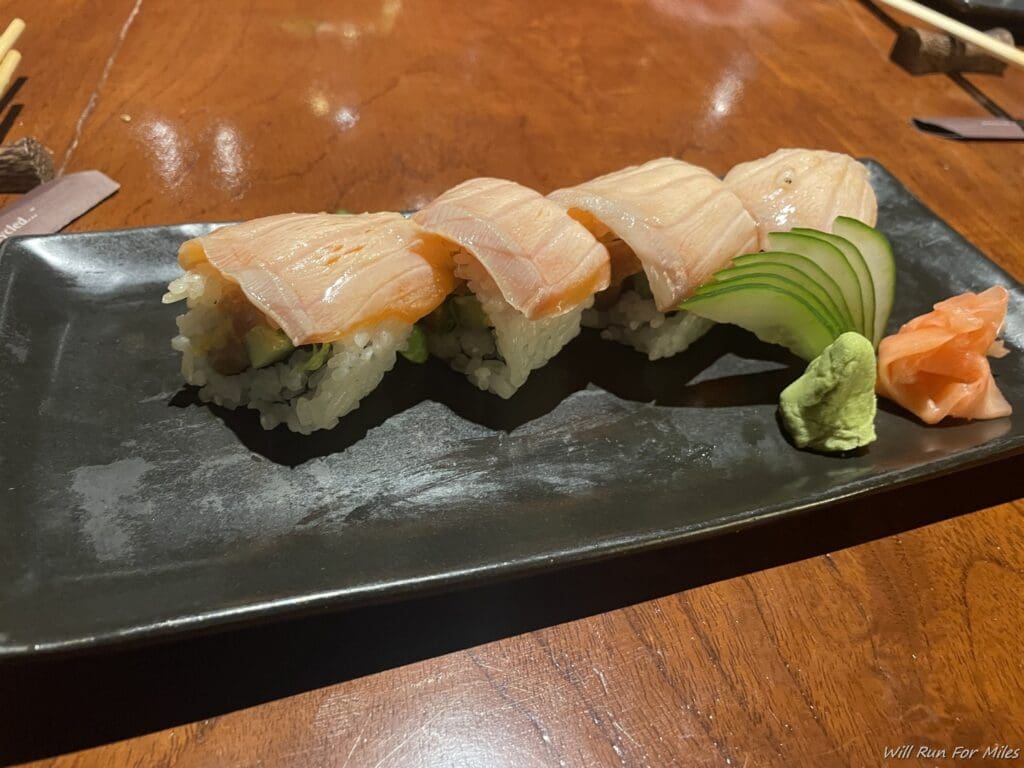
(773, 314)
(794, 283)
(803, 271)
(836, 264)
(877, 253)
(860, 266)
(415, 349)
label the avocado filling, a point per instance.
(261, 347)
(267, 346)
(460, 311)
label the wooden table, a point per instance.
(818, 642)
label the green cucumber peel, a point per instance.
(772, 313)
(811, 269)
(808, 290)
(784, 283)
(877, 254)
(847, 269)
(778, 268)
(860, 267)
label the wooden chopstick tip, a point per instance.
(9, 57)
(10, 36)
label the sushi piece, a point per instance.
(529, 271)
(937, 364)
(668, 227)
(803, 188)
(299, 316)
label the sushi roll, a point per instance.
(668, 227)
(803, 188)
(299, 316)
(528, 272)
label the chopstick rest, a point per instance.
(958, 29)
(25, 164)
(922, 52)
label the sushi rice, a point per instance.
(499, 358)
(285, 392)
(635, 321)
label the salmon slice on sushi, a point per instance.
(668, 227)
(803, 188)
(528, 271)
(299, 316)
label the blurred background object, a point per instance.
(923, 51)
(26, 163)
(964, 32)
(985, 14)
(9, 58)
(954, 50)
(963, 128)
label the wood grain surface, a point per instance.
(895, 620)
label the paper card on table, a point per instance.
(52, 206)
(978, 128)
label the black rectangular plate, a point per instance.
(129, 510)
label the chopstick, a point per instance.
(9, 58)
(10, 36)
(957, 29)
(7, 66)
